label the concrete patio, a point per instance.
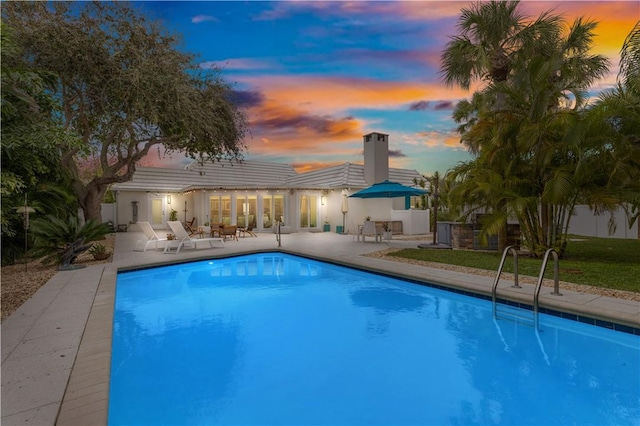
(56, 348)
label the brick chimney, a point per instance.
(376, 158)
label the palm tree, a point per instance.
(612, 134)
(519, 124)
(492, 36)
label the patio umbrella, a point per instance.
(388, 189)
(345, 209)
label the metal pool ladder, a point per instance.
(515, 274)
(556, 281)
(536, 294)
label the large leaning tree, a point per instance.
(124, 88)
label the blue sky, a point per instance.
(314, 76)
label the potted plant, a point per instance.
(387, 230)
(99, 252)
(173, 216)
(206, 229)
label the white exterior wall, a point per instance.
(108, 212)
(198, 205)
(414, 222)
(379, 209)
(586, 223)
(332, 210)
(124, 209)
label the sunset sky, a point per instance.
(314, 76)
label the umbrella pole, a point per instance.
(344, 216)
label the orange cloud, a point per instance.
(615, 20)
(327, 95)
(433, 139)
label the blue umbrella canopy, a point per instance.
(388, 189)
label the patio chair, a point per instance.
(152, 237)
(182, 238)
(248, 230)
(216, 229)
(191, 226)
(230, 231)
(369, 228)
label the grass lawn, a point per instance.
(600, 262)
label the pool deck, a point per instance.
(56, 348)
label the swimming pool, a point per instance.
(278, 339)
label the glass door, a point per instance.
(157, 212)
(246, 210)
(220, 209)
(308, 211)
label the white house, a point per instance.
(261, 193)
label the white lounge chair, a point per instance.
(183, 238)
(152, 237)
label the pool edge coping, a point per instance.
(86, 397)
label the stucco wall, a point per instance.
(586, 223)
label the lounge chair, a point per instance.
(182, 238)
(191, 226)
(152, 237)
(247, 230)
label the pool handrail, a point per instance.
(494, 288)
(556, 281)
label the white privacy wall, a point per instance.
(586, 223)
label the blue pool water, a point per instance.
(274, 339)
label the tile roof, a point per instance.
(227, 175)
(346, 175)
(253, 174)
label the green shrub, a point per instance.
(60, 241)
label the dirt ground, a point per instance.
(20, 281)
